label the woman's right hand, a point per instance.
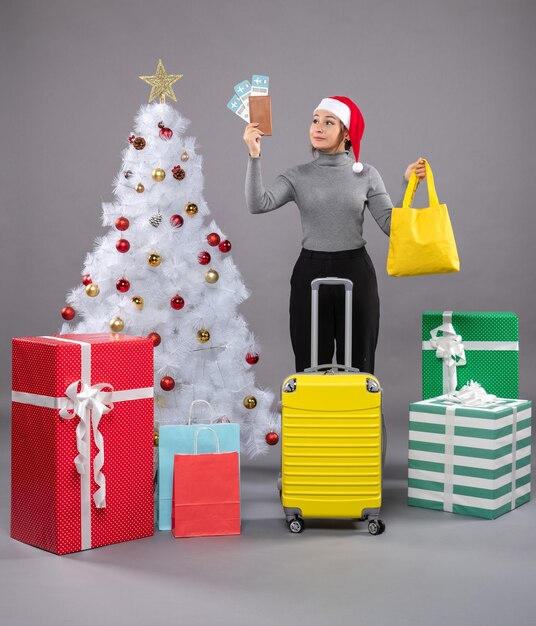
(252, 137)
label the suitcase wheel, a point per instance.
(296, 525)
(376, 527)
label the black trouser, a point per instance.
(355, 265)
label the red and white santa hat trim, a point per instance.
(350, 115)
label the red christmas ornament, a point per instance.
(213, 239)
(272, 438)
(122, 285)
(252, 358)
(155, 338)
(131, 138)
(122, 245)
(165, 133)
(121, 223)
(176, 221)
(176, 303)
(68, 313)
(167, 383)
(204, 258)
(86, 280)
(225, 246)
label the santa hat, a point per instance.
(350, 115)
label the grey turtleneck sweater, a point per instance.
(331, 199)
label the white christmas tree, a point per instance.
(163, 272)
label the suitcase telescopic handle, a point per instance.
(315, 286)
(331, 366)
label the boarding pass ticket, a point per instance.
(239, 103)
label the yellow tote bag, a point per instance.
(421, 240)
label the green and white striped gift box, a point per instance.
(469, 460)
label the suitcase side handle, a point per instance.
(348, 286)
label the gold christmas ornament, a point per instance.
(117, 325)
(154, 259)
(92, 290)
(191, 209)
(156, 438)
(138, 302)
(203, 335)
(161, 83)
(250, 402)
(185, 156)
(158, 174)
(140, 188)
(211, 276)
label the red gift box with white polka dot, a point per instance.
(48, 507)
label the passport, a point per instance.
(260, 110)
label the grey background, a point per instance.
(450, 80)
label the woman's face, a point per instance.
(326, 132)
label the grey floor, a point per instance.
(428, 568)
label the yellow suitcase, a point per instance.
(332, 436)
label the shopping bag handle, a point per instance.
(216, 440)
(413, 183)
(200, 402)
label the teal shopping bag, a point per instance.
(179, 439)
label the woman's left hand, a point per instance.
(419, 167)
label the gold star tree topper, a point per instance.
(161, 83)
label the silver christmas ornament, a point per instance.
(156, 219)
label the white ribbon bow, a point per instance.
(450, 349)
(90, 404)
(472, 394)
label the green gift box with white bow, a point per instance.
(460, 346)
(470, 460)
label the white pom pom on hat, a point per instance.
(350, 115)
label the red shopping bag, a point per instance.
(206, 493)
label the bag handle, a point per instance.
(199, 402)
(413, 183)
(216, 440)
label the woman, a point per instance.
(331, 192)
